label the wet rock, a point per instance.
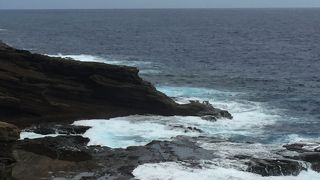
(303, 147)
(295, 147)
(121, 162)
(209, 118)
(308, 152)
(39, 89)
(8, 135)
(277, 167)
(68, 148)
(186, 128)
(311, 157)
(65, 129)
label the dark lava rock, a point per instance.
(37, 88)
(8, 135)
(277, 167)
(310, 154)
(295, 147)
(186, 128)
(121, 162)
(106, 162)
(65, 129)
(311, 157)
(68, 148)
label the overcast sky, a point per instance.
(125, 4)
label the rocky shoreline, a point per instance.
(69, 157)
(37, 88)
(44, 95)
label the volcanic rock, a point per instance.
(275, 167)
(63, 129)
(36, 89)
(68, 148)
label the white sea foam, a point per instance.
(249, 118)
(178, 171)
(255, 150)
(145, 67)
(296, 138)
(88, 58)
(32, 135)
(3, 29)
(133, 130)
(107, 59)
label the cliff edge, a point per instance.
(36, 88)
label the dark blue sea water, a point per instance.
(261, 64)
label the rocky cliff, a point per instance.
(35, 88)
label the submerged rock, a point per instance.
(8, 135)
(37, 89)
(186, 128)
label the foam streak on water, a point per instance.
(178, 171)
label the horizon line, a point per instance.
(159, 8)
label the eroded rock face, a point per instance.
(37, 88)
(8, 135)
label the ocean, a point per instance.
(262, 65)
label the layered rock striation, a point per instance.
(35, 88)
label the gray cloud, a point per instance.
(106, 4)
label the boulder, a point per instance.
(8, 132)
(8, 135)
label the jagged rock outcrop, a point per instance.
(118, 163)
(308, 152)
(8, 135)
(51, 128)
(68, 148)
(275, 167)
(35, 88)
